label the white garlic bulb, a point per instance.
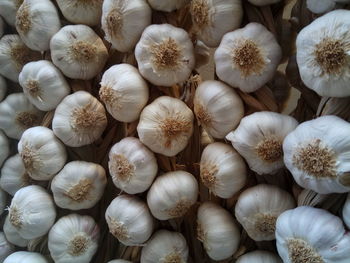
(119, 24)
(166, 247)
(320, 6)
(259, 138)
(26, 257)
(79, 185)
(307, 234)
(17, 114)
(124, 92)
(217, 230)
(172, 195)
(165, 55)
(6, 248)
(8, 9)
(4, 148)
(247, 58)
(79, 119)
(129, 220)
(73, 239)
(119, 261)
(263, 2)
(259, 206)
(166, 125)
(218, 108)
(43, 84)
(167, 5)
(213, 18)
(3, 88)
(132, 166)
(12, 235)
(3, 200)
(346, 212)
(78, 52)
(259, 256)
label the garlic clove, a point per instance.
(346, 212)
(259, 256)
(4, 148)
(3, 88)
(8, 10)
(167, 5)
(26, 257)
(6, 248)
(263, 2)
(12, 234)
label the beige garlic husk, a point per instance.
(78, 52)
(12, 234)
(79, 185)
(124, 92)
(2, 27)
(217, 107)
(259, 206)
(167, 5)
(119, 24)
(3, 88)
(213, 18)
(129, 220)
(172, 195)
(79, 119)
(217, 230)
(259, 256)
(166, 125)
(263, 2)
(165, 247)
(3, 200)
(26, 257)
(73, 239)
(202, 54)
(165, 55)
(4, 147)
(346, 212)
(6, 248)
(17, 114)
(8, 10)
(132, 166)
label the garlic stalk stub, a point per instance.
(12, 235)
(346, 212)
(167, 5)
(4, 148)
(259, 256)
(26, 257)
(6, 248)
(3, 88)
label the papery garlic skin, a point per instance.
(320, 6)
(166, 126)
(263, 2)
(119, 24)
(73, 239)
(78, 52)
(79, 119)
(124, 92)
(346, 212)
(167, 5)
(4, 148)
(129, 220)
(247, 58)
(132, 166)
(217, 231)
(258, 208)
(25, 257)
(6, 248)
(165, 55)
(259, 256)
(3, 200)
(165, 246)
(8, 9)
(12, 235)
(311, 235)
(3, 88)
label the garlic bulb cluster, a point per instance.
(129, 220)
(167, 5)
(3, 200)
(166, 125)
(165, 55)
(12, 234)
(3, 88)
(346, 212)
(79, 119)
(124, 92)
(6, 248)
(26, 257)
(259, 256)
(263, 2)
(8, 9)
(73, 239)
(4, 148)
(247, 58)
(119, 24)
(132, 166)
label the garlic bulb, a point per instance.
(263, 2)
(132, 166)
(165, 247)
(320, 6)
(12, 235)
(78, 52)
(8, 9)
(6, 248)
(43, 84)
(165, 55)
(43, 155)
(217, 230)
(119, 261)
(129, 220)
(124, 92)
(3, 200)
(3, 88)
(307, 234)
(167, 5)
(79, 185)
(4, 148)
(247, 58)
(26, 257)
(213, 18)
(166, 125)
(218, 108)
(73, 239)
(346, 212)
(79, 119)
(119, 24)
(259, 256)
(259, 206)
(17, 114)
(172, 195)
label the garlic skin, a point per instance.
(8, 9)
(43, 84)
(129, 220)
(26, 257)
(132, 166)
(167, 5)
(217, 231)
(79, 119)
(301, 238)
(259, 256)
(79, 185)
(3, 200)
(12, 235)
(166, 126)
(346, 212)
(118, 22)
(320, 6)
(4, 148)
(73, 239)
(3, 88)
(247, 58)
(259, 138)
(78, 52)
(165, 55)
(124, 92)
(258, 208)
(217, 107)
(166, 247)
(6, 248)
(263, 2)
